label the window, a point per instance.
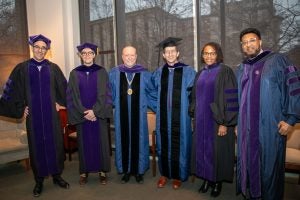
(141, 23)
(149, 22)
(144, 23)
(97, 27)
(13, 34)
(277, 20)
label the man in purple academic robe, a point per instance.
(39, 86)
(269, 96)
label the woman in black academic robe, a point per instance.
(214, 108)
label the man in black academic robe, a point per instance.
(37, 88)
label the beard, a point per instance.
(253, 54)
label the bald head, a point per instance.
(129, 56)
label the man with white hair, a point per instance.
(129, 82)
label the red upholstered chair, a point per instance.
(71, 139)
(69, 133)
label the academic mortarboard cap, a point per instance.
(88, 45)
(169, 42)
(40, 37)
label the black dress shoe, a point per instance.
(216, 189)
(204, 187)
(61, 182)
(125, 178)
(139, 178)
(37, 190)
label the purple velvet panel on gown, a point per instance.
(205, 130)
(90, 130)
(42, 126)
(249, 132)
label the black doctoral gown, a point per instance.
(38, 85)
(88, 89)
(214, 103)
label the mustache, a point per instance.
(252, 55)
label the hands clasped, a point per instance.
(89, 115)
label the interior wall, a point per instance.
(59, 21)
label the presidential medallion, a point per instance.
(129, 91)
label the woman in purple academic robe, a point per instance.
(89, 106)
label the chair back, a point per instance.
(293, 140)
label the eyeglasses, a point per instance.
(206, 54)
(38, 48)
(170, 52)
(250, 42)
(89, 53)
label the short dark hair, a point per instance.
(218, 50)
(250, 30)
(170, 45)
